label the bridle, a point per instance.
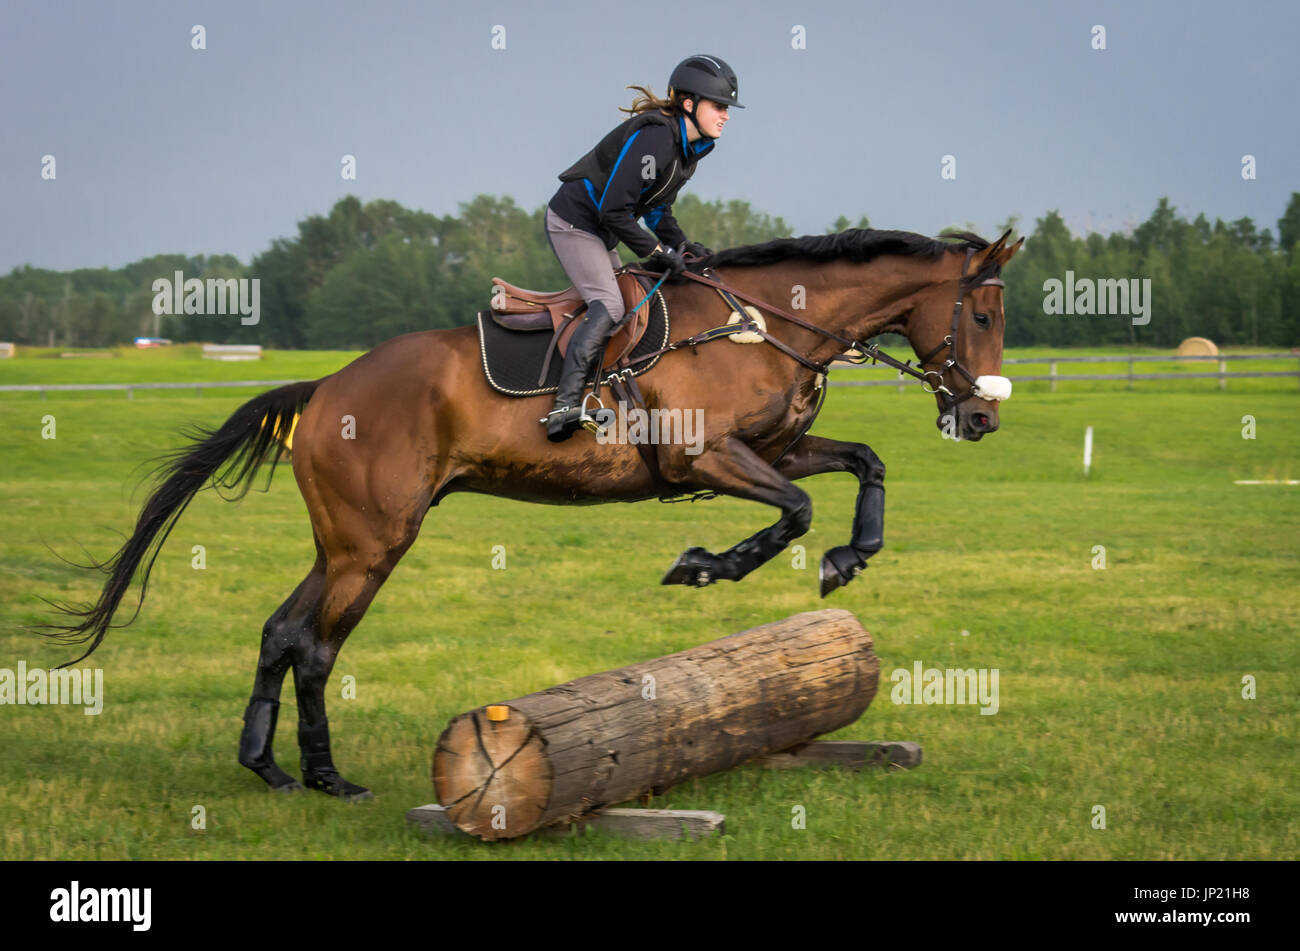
(950, 342)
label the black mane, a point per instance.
(858, 245)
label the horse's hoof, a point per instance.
(839, 566)
(693, 567)
(332, 784)
(276, 779)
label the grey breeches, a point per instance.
(587, 263)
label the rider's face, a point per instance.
(712, 117)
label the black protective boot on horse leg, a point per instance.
(255, 744)
(585, 348)
(698, 567)
(318, 770)
(311, 670)
(813, 455)
(280, 636)
(842, 564)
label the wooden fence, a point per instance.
(130, 388)
(1223, 376)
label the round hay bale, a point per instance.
(1197, 347)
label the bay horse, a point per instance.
(386, 438)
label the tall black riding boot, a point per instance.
(585, 348)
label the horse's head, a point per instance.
(958, 337)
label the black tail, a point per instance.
(243, 443)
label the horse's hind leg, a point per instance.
(368, 488)
(346, 599)
(280, 638)
(307, 633)
(358, 562)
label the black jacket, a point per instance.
(610, 187)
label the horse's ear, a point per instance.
(1006, 254)
(994, 249)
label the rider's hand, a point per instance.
(697, 250)
(670, 261)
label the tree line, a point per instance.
(367, 272)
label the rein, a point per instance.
(867, 352)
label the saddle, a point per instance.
(524, 337)
(522, 310)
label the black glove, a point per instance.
(697, 250)
(671, 261)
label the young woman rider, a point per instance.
(633, 173)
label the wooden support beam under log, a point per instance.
(552, 757)
(849, 754)
(619, 823)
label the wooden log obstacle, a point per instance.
(563, 755)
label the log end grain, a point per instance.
(492, 774)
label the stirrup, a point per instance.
(588, 421)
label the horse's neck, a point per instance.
(850, 300)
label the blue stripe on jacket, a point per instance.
(613, 171)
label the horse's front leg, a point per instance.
(812, 455)
(735, 469)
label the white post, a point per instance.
(1087, 451)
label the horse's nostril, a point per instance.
(981, 419)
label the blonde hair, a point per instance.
(648, 101)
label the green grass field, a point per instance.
(1119, 687)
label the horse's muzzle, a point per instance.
(971, 423)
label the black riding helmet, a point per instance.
(705, 77)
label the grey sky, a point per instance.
(161, 148)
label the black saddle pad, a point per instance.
(512, 360)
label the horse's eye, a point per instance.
(982, 320)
